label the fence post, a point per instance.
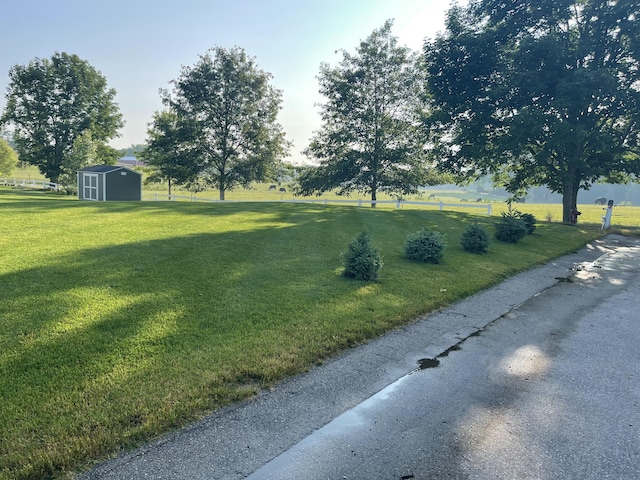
(489, 210)
(441, 205)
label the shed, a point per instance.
(109, 182)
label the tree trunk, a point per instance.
(374, 198)
(169, 182)
(222, 190)
(570, 202)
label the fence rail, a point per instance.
(22, 182)
(398, 203)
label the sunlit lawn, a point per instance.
(119, 321)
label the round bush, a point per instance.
(511, 228)
(424, 246)
(475, 239)
(362, 260)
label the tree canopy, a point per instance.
(132, 150)
(83, 153)
(220, 126)
(167, 152)
(370, 140)
(8, 158)
(539, 93)
(53, 101)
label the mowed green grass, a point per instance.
(121, 321)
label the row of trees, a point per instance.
(532, 93)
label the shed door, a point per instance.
(90, 185)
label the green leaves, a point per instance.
(53, 101)
(544, 94)
(362, 259)
(369, 141)
(425, 246)
(8, 158)
(475, 239)
(83, 152)
(221, 125)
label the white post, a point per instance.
(606, 220)
(489, 210)
(441, 205)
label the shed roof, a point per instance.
(106, 169)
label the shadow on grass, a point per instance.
(104, 346)
(108, 345)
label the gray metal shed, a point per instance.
(109, 182)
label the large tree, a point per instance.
(51, 102)
(539, 92)
(225, 121)
(370, 139)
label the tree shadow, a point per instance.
(107, 345)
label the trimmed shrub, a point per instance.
(475, 239)
(424, 246)
(362, 259)
(530, 222)
(511, 228)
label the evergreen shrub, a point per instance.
(362, 259)
(424, 246)
(475, 239)
(530, 222)
(511, 228)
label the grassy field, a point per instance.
(120, 321)
(623, 216)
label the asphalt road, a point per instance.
(536, 378)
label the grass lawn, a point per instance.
(120, 321)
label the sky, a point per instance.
(139, 46)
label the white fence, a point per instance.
(398, 203)
(21, 182)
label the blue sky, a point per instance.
(140, 45)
